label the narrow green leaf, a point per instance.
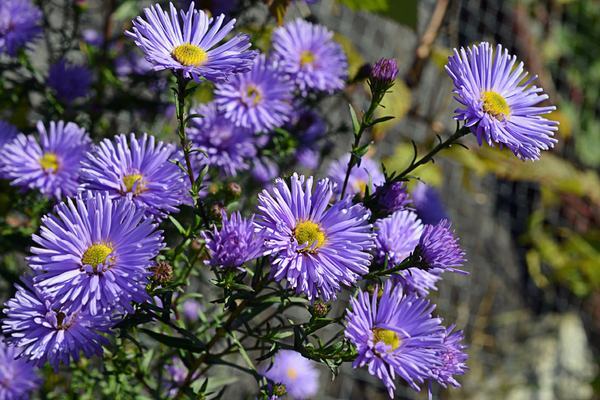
(180, 228)
(193, 116)
(178, 343)
(382, 119)
(355, 124)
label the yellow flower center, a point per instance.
(306, 57)
(188, 54)
(96, 255)
(291, 373)
(386, 336)
(49, 161)
(495, 105)
(309, 232)
(253, 93)
(130, 181)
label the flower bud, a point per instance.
(385, 71)
(234, 189)
(279, 389)
(320, 309)
(392, 198)
(216, 211)
(162, 273)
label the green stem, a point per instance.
(218, 335)
(182, 83)
(367, 121)
(452, 139)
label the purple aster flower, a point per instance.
(236, 242)
(307, 127)
(316, 249)
(52, 168)
(397, 237)
(394, 335)
(69, 81)
(310, 56)
(259, 100)
(264, 171)
(95, 253)
(498, 108)
(92, 37)
(228, 146)
(359, 176)
(7, 133)
(428, 204)
(216, 7)
(18, 378)
(19, 21)
(439, 249)
(139, 171)
(393, 197)
(298, 374)
(191, 308)
(178, 372)
(48, 333)
(131, 63)
(384, 71)
(168, 46)
(453, 358)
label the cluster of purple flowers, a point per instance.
(92, 257)
(395, 334)
(254, 93)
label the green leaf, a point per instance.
(362, 150)
(382, 119)
(193, 116)
(180, 228)
(242, 350)
(178, 343)
(355, 124)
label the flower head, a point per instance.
(310, 56)
(394, 335)
(316, 249)
(7, 133)
(298, 374)
(453, 358)
(138, 170)
(359, 178)
(95, 253)
(191, 49)
(259, 100)
(69, 81)
(52, 168)
(397, 237)
(392, 198)
(228, 146)
(382, 77)
(498, 108)
(19, 24)
(439, 249)
(47, 333)
(236, 242)
(264, 171)
(428, 204)
(18, 377)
